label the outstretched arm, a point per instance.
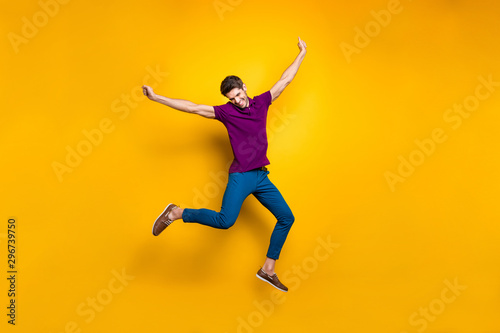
(180, 104)
(290, 72)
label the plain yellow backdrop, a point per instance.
(385, 146)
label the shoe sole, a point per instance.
(257, 275)
(153, 230)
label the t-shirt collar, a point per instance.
(251, 102)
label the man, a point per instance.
(245, 120)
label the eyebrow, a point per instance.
(235, 95)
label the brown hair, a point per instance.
(229, 83)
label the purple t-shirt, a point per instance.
(247, 132)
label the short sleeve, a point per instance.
(264, 99)
(220, 113)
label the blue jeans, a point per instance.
(239, 186)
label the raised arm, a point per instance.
(290, 72)
(180, 104)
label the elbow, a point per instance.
(190, 109)
(286, 79)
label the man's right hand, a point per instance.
(148, 92)
(180, 104)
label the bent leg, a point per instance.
(270, 197)
(238, 188)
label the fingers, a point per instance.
(302, 44)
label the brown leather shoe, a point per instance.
(162, 222)
(272, 280)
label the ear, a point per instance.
(244, 87)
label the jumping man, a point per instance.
(245, 120)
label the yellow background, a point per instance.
(337, 130)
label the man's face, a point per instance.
(238, 96)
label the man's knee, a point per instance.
(288, 218)
(225, 222)
(226, 225)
